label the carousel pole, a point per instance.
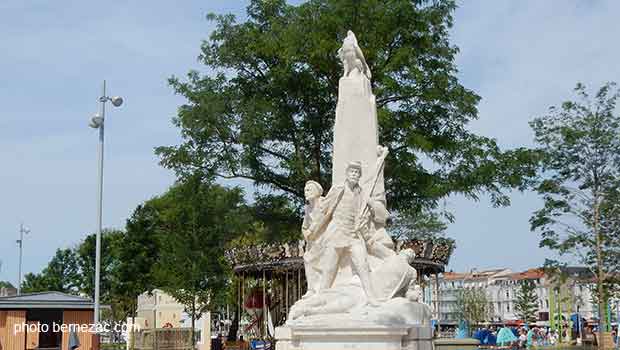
(298, 284)
(437, 305)
(264, 308)
(239, 301)
(286, 291)
(242, 294)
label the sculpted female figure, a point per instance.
(311, 232)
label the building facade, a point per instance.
(553, 298)
(7, 291)
(159, 310)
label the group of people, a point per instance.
(538, 336)
(528, 338)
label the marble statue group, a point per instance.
(353, 271)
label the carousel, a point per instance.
(270, 278)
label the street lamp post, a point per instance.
(618, 324)
(20, 242)
(97, 122)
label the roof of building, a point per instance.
(45, 300)
(530, 274)
(578, 272)
(475, 275)
(453, 276)
(574, 272)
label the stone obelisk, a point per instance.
(355, 129)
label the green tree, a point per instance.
(579, 184)
(473, 306)
(61, 275)
(111, 241)
(526, 305)
(138, 255)
(424, 224)
(265, 110)
(6, 284)
(198, 219)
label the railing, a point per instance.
(164, 339)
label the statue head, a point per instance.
(312, 190)
(354, 172)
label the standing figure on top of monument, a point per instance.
(344, 205)
(312, 229)
(352, 57)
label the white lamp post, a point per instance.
(20, 242)
(97, 122)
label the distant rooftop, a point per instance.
(530, 274)
(45, 300)
(575, 272)
(476, 275)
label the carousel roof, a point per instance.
(278, 266)
(431, 257)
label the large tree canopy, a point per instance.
(266, 108)
(580, 141)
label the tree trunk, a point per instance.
(132, 344)
(193, 332)
(600, 277)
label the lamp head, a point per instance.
(96, 121)
(116, 101)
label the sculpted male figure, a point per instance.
(342, 235)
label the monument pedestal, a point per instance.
(362, 337)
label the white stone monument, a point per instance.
(361, 293)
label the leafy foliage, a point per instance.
(423, 225)
(580, 141)
(198, 219)
(61, 274)
(265, 110)
(526, 305)
(138, 255)
(473, 306)
(111, 241)
(6, 284)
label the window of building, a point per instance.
(507, 307)
(547, 303)
(507, 294)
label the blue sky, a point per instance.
(520, 56)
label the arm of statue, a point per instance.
(311, 233)
(379, 212)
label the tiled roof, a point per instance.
(473, 275)
(530, 274)
(453, 276)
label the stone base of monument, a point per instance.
(362, 337)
